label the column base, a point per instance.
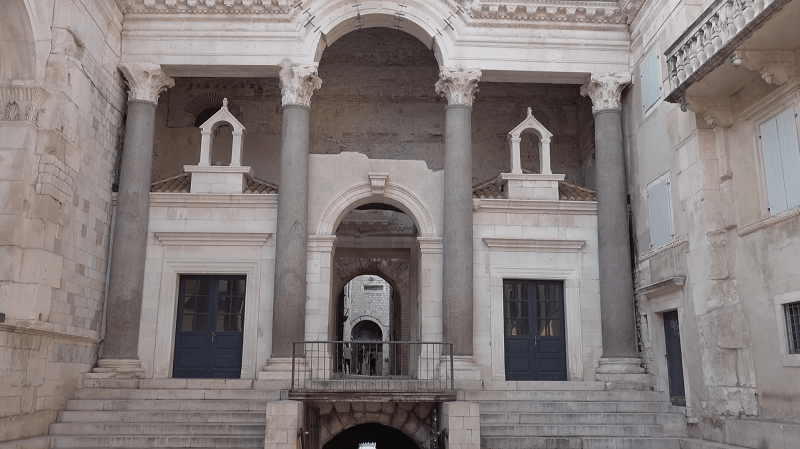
(280, 368)
(623, 373)
(464, 367)
(117, 369)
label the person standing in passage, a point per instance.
(373, 361)
(346, 354)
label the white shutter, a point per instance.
(651, 87)
(660, 216)
(790, 156)
(773, 168)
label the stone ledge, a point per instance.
(44, 329)
(662, 287)
(373, 396)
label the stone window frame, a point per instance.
(572, 314)
(773, 104)
(788, 360)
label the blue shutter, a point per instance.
(790, 156)
(651, 86)
(773, 168)
(660, 217)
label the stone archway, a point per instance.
(412, 419)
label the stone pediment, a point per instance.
(222, 116)
(530, 122)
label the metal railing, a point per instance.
(372, 365)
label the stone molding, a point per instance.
(561, 14)
(661, 249)
(36, 328)
(212, 238)
(716, 110)
(662, 287)
(298, 82)
(767, 222)
(534, 206)
(235, 201)
(776, 67)
(145, 80)
(534, 245)
(322, 243)
(458, 86)
(430, 245)
(378, 182)
(22, 103)
(605, 90)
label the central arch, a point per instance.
(363, 193)
(386, 438)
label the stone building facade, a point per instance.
(586, 214)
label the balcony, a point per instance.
(372, 371)
(733, 43)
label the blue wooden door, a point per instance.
(535, 344)
(210, 328)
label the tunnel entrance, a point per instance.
(386, 438)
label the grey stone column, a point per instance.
(459, 87)
(298, 82)
(126, 279)
(620, 354)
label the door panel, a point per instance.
(210, 327)
(535, 344)
(672, 339)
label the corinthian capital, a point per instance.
(459, 86)
(298, 82)
(605, 90)
(145, 80)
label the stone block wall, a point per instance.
(363, 304)
(463, 423)
(60, 136)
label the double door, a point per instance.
(533, 316)
(210, 328)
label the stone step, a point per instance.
(131, 416)
(167, 404)
(570, 418)
(157, 441)
(569, 407)
(566, 396)
(173, 429)
(174, 393)
(688, 443)
(571, 430)
(579, 443)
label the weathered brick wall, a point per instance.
(378, 98)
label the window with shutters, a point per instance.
(658, 202)
(780, 154)
(651, 86)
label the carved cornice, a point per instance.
(298, 82)
(776, 67)
(145, 81)
(716, 111)
(458, 86)
(559, 14)
(22, 103)
(767, 222)
(605, 90)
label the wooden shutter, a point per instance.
(660, 216)
(790, 155)
(651, 87)
(781, 153)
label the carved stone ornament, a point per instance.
(716, 111)
(459, 86)
(22, 103)
(298, 82)
(146, 80)
(605, 90)
(776, 67)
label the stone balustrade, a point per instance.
(722, 23)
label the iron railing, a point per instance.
(372, 365)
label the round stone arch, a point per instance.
(420, 20)
(374, 320)
(24, 40)
(364, 193)
(394, 271)
(407, 417)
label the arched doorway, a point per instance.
(386, 438)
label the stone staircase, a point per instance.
(169, 413)
(580, 415)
